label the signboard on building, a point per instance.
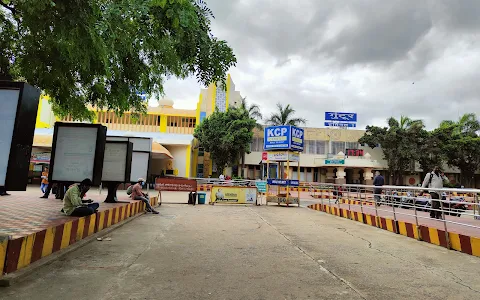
(340, 119)
(283, 137)
(334, 161)
(280, 156)
(340, 124)
(354, 152)
(40, 157)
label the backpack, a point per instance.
(129, 190)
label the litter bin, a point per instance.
(201, 198)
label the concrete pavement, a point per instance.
(239, 252)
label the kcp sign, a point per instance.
(283, 137)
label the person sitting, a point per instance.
(73, 205)
(138, 194)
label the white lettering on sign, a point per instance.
(274, 132)
(297, 133)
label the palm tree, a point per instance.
(284, 116)
(253, 112)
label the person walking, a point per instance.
(378, 181)
(138, 194)
(434, 181)
(44, 183)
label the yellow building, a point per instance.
(171, 130)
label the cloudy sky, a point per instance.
(377, 58)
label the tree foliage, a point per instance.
(398, 142)
(225, 135)
(104, 53)
(285, 116)
(455, 143)
(460, 143)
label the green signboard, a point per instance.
(261, 186)
(334, 161)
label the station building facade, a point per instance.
(174, 148)
(333, 155)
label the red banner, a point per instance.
(175, 184)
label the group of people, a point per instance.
(74, 205)
(433, 181)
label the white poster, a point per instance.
(141, 144)
(8, 111)
(114, 162)
(74, 153)
(140, 161)
(282, 156)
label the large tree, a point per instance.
(285, 116)
(430, 153)
(399, 143)
(105, 53)
(460, 142)
(225, 135)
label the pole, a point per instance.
(288, 184)
(298, 174)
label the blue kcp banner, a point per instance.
(283, 137)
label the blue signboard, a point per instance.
(340, 124)
(283, 182)
(283, 137)
(340, 117)
(334, 161)
(203, 115)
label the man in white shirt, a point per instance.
(434, 180)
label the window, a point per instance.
(310, 147)
(338, 147)
(351, 145)
(321, 147)
(256, 145)
(201, 152)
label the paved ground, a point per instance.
(239, 252)
(23, 213)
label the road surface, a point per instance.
(240, 252)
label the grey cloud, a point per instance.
(287, 53)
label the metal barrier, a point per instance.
(408, 203)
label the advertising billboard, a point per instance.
(284, 137)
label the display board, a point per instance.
(140, 164)
(141, 144)
(117, 161)
(8, 111)
(233, 195)
(77, 152)
(18, 114)
(117, 139)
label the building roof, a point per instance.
(44, 140)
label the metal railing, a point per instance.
(456, 209)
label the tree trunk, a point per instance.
(243, 164)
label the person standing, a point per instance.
(44, 183)
(378, 181)
(434, 181)
(138, 194)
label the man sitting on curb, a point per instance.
(73, 205)
(137, 194)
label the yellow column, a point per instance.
(199, 108)
(195, 163)
(227, 92)
(188, 165)
(163, 123)
(214, 95)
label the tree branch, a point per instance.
(11, 9)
